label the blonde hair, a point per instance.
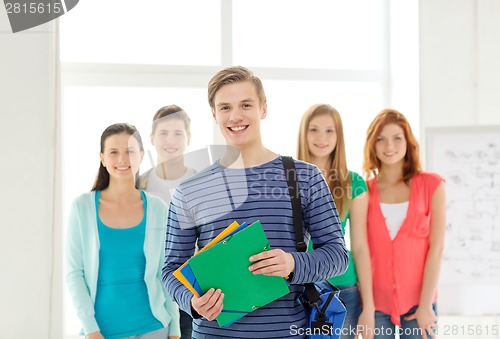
(336, 174)
(231, 75)
(372, 164)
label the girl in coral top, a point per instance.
(406, 225)
(321, 142)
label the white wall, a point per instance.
(459, 86)
(27, 153)
(459, 69)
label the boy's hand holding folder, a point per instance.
(210, 304)
(274, 262)
(220, 272)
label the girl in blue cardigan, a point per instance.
(115, 249)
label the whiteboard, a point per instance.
(468, 158)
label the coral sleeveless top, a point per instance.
(398, 265)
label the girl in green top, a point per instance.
(321, 142)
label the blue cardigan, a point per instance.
(82, 262)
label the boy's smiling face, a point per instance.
(170, 138)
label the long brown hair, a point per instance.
(336, 175)
(102, 179)
(371, 164)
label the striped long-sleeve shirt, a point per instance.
(208, 202)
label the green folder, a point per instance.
(225, 266)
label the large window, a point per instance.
(121, 60)
(145, 32)
(345, 35)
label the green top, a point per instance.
(349, 277)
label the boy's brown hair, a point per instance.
(231, 75)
